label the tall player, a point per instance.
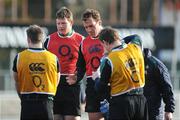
(65, 44)
(90, 53)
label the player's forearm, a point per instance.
(101, 86)
(80, 73)
(80, 66)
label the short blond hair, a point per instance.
(64, 12)
(35, 33)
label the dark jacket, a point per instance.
(158, 87)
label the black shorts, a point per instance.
(36, 108)
(67, 100)
(128, 107)
(92, 101)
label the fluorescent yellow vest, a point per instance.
(127, 69)
(37, 72)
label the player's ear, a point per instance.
(100, 22)
(72, 22)
(105, 43)
(28, 40)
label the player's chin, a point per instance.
(61, 31)
(92, 35)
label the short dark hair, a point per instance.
(91, 13)
(64, 12)
(35, 33)
(109, 35)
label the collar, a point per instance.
(36, 48)
(68, 34)
(119, 47)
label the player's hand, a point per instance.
(168, 116)
(104, 108)
(71, 79)
(96, 74)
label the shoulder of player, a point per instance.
(54, 33)
(78, 36)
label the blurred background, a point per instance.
(157, 22)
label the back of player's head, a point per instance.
(35, 34)
(109, 35)
(64, 12)
(88, 13)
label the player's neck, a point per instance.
(116, 44)
(38, 45)
(67, 34)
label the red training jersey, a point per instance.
(92, 50)
(66, 49)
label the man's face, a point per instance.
(64, 26)
(92, 27)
